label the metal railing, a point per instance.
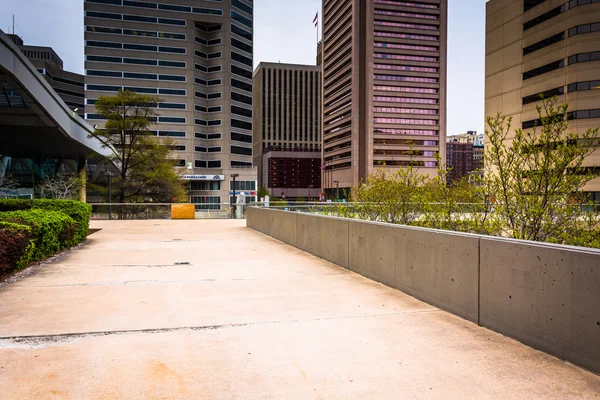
(137, 211)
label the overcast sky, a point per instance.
(283, 32)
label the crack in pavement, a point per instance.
(31, 342)
(140, 282)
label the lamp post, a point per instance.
(309, 187)
(336, 184)
(233, 206)
(109, 175)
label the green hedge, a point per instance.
(16, 245)
(80, 212)
(52, 230)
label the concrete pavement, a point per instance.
(212, 310)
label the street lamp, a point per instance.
(309, 187)
(109, 175)
(336, 184)
(233, 207)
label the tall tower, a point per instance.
(544, 48)
(196, 56)
(384, 87)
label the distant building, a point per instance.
(68, 85)
(468, 137)
(459, 160)
(287, 121)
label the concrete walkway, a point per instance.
(247, 318)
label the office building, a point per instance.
(459, 160)
(544, 47)
(468, 137)
(287, 140)
(384, 87)
(196, 56)
(68, 85)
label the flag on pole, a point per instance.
(316, 19)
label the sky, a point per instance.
(283, 32)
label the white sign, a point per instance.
(204, 177)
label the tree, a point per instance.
(144, 169)
(61, 187)
(536, 179)
(262, 192)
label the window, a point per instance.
(140, 4)
(235, 123)
(173, 92)
(241, 19)
(139, 47)
(241, 6)
(136, 75)
(176, 78)
(216, 149)
(577, 30)
(543, 69)
(103, 88)
(241, 98)
(200, 164)
(241, 59)
(544, 17)
(140, 18)
(171, 133)
(546, 94)
(215, 42)
(205, 185)
(239, 31)
(241, 45)
(241, 85)
(171, 7)
(179, 163)
(529, 4)
(170, 21)
(199, 108)
(241, 111)
(93, 72)
(110, 45)
(241, 72)
(215, 68)
(174, 36)
(173, 106)
(200, 95)
(172, 120)
(101, 29)
(241, 137)
(208, 11)
(214, 82)
(214, 96)
(139, 33)
(243, 151)
(240, 164)
(116, 60)
(95, 14)
(214, 109)
(205, 203)
(584, 57)
(214, 122)
(177, 64)
(544, 43)
(214, 164)
(587, 85)
(216, 54)
(116, 2)
(166, 49)
(139, 61)
(242, 185)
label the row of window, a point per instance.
(399, 78)
(136, 75)
(574, 59)
(66, 81)
(241, 32)
(134, 46)
(211, 69)
(410, 121)
(241, 85)
(241, 6)
(387, 152)
(408, 4)
(203, 149)
(137, 61)
(572, 87)
(389, 99)
(169, 106)
(241, 59)
(211, 42)
(405, 14)
(405, 36)
(394, 110)
(405, 25)
(208, 56)
(586, 28)
(396, 142)
(404, 163)
(207, 96)
(584, 57)
(210, 82)
(207, 136)
(544, 17)
(159, 119)
(406, 46)
(136, 32)
(405, 68)
(576, 30)
(580, 114)
(211, 122)
(69, 92)
(135, 18)
(407, 58)
(165, 7)
(405, 89)
(145, 90)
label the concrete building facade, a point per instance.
(68, 85)
(196, 56)
(287, 121)
(544, 47)
(384, 87)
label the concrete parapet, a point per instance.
(546, 296)
(543, 295)
(324, 237)
(440, 268)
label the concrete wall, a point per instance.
(546, 296)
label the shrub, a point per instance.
(80, 212)
(52, 230)
(16, 245)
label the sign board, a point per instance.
(204, 177)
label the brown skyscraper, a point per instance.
(549, 48)
(384, 87)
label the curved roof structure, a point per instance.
(34, 120)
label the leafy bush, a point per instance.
(52, 231)
(16, 245)
(79, 211)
